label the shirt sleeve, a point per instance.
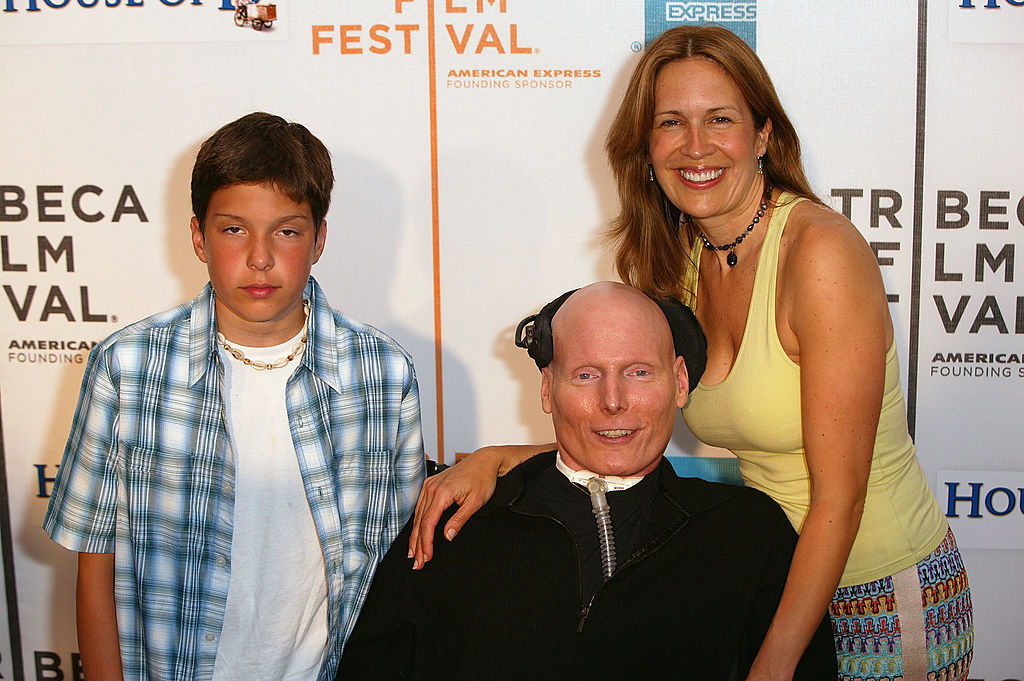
(410, 461)
(81, 515)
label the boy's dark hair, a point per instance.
(260, 148)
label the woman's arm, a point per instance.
(832, 307)
(96, 617)
(469, 484)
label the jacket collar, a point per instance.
(676, 501)
(689, 495)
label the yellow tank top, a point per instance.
(755, 412)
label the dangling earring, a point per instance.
(650, 173)
(760, 164)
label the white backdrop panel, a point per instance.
(115, 101)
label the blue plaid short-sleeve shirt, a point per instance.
(148, 474)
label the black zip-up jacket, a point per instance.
(502, 601)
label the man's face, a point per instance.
(614, 384)
(259, 247)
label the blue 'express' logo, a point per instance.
(739, 16)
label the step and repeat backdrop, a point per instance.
(467, 142)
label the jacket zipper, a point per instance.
(585, 610)
(576, 550)
(635, 558)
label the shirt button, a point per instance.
(209, 637)
(228, 488)
(221, 561)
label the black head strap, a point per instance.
(534, 334)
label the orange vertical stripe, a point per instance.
(435, 222)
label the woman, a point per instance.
(802, 381)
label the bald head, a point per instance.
(614, 381)
(534, 332)
(608, 308)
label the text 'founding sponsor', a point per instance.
(978, 365)
(517, 79)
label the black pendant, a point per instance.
(731, 259)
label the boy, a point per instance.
(238, 465)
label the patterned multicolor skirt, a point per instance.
(916, 625)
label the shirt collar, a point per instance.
(321, 356)
(689, 495)
(202, 335)
(581, 477)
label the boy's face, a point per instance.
(259, 247)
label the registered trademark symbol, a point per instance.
(536, 50)
(113, 318)
(636, 46)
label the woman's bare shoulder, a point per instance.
(820, 240)
(826, 264)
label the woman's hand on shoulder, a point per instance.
(469, 484)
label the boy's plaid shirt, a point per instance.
(148, 474)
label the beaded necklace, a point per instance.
(731, 259)
(258, 365)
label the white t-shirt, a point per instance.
(275, 624)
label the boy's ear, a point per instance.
(198, 241)
(321, 240)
